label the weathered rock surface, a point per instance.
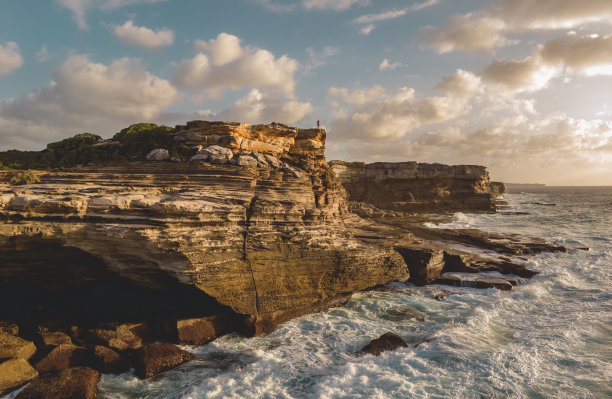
(157, 358)
(158, 154)
(386, 342)
(123, 336)
(9, 327)
(200, 330)
(13, 347)
(62, 357)
(14, 373)
(108, 361)
(417, 187)
(51, 339)
(73, 383)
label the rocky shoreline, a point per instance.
(230, 228)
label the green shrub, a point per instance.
(24, 178)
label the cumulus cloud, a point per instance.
(376, 115)
(80, 8)
(10, 58)
(83, 96)
(385, 65)
(223, 63)
(143, 37)
(487, 30)
(461, 83)
(588, 55)
(258, 107)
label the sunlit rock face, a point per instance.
(416, 187)
(263, 243)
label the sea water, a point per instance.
(550, 337)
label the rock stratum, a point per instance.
(214, 227)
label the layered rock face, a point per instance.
(417, 187)
(262, 244)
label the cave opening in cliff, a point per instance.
(43, 283)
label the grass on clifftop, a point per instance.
(130, 144)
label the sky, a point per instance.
(521, 86)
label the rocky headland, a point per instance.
(184, 234)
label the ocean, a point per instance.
(550, 337)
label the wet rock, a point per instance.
(13, 347)
(123, 336)
(425, 264)
(51, 339)
(199, 331)
(157, 358)
(73, 383)
(458, 263)
(9, 327)
(158, 154)
(386, 342)
(108, 361)
(480, 282)
(440, 295)
(403, 314)
(14, 373)
(62, 357)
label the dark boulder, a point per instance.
(108, 361)
(62, 357)
(386, 342)
(157, 358)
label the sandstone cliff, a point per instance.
(418, 187)
(265, 243)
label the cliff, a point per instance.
(418, 187)
(261, 233)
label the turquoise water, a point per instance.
(550, 337)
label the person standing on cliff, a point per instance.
(318, 124)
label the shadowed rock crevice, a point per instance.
(43, 283)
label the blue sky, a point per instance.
(521, 86)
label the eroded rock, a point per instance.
(123, 336)
(158, 154)
(108, 361)
(199, 331)
(73, 383)
(13, 347)
(154, 359)
(62, 357)
(14, 373)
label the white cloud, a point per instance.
(487, 30)
(461, 83)
(85, 96)
(80, 8)
(143, 37)
(43, 54)
(10, 58)
(385, 65)
(571, 54)
(318, 58)
(337, 5)
(369, 20)
(217, 68)
(258, 107)
(270, 5)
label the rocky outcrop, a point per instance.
(77, 382)
(157, 358)
(386, 342)
(418, 187)
(259, 244)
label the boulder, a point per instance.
(14, 373)
(51, 339)
(217, 154)
(200, 157)
(260, 158)
(73, 383)
(9, 327)
(108, 361)
(272, 161)
(62, 357)
(158, 154)
(157, 358)
(123, 336)
(246, 160)
(386, 342)
(200, 330)
(13, 347)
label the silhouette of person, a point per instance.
(318, 123)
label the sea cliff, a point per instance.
(225, 227)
